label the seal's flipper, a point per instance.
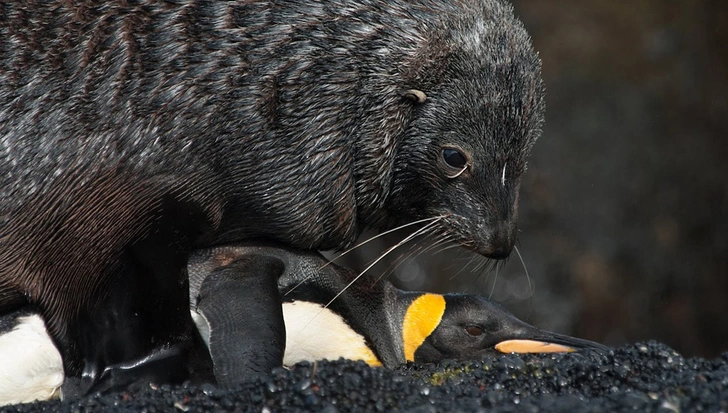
(164, 365)
(142, 334)
(241, 306)
(138, 328)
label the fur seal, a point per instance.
(373, 322)
(134, 132)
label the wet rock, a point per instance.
(637, 377)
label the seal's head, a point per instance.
(478, 111)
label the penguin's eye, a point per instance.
(454, 158)
(474, 331)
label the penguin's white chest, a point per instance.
(31, 367)
(316, 333)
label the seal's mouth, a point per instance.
(499, 240)
(499, 252)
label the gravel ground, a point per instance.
(645, 377)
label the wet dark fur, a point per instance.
(131, 133)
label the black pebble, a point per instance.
(645, 377)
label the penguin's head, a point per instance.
(459, 326)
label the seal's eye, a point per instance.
(474, 331)
(454, 158)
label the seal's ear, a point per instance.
(414, 95)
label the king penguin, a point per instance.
(328, 315)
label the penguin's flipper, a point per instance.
(241, 307)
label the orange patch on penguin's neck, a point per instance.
(423, 316)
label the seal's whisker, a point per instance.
(439, 242)
(413, 235)
(401, 259)
(421, 249)
(458, 173)
(485, 264)
(431, 220)
(449, 247)
(382, 234)
(528, 277)
(438, 238)
(473, 258)
(495, 280)
(413, 255)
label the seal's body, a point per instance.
(132, 132)
(371, 321)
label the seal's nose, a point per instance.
(500, 241)
(499, 253)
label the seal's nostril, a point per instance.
(499, 243)
(499, 253)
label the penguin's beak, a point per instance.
(539, 341)
(532, 346)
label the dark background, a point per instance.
(624, 209)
